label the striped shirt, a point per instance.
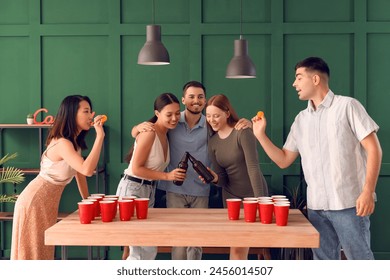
(333, 160)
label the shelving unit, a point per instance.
(100, 171)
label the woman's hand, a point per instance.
(98, 125)
(215, 175)
(177, 174)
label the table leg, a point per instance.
(64, 253)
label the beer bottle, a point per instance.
(201, 169)
(183, 164)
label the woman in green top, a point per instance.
(234, 157)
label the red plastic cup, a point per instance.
(250, 198)
(266, 212)
(278, 196)
(281, 200)
(116, 204)
(107, 208)
(86, 211)
(281, 214)
(126, 208)
(233, 205)
(281, 203)
(98, 198)
(98, 194)
(250, 210)
(111, 196)
(131, 197)
(141, 207)
(96, 206)
(264, 198)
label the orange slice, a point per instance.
(260, 114)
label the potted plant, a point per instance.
(11, 175)
(30, 119)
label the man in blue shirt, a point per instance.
(190, 135)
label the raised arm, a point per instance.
(282, 157)
(65, 150)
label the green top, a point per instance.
(235, 160)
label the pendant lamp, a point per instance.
(153, 52)
(241, 65)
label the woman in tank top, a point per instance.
(37, 206)
(148, 159)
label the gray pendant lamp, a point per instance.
(153, 52)
(241, 65)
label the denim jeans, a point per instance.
(341, 229)
(128, 188)
(176, 200)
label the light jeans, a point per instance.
(176, 200)
(341, 229)
(128, 188)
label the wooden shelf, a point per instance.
(35, 171)
(2, 126)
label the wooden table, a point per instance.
(184, 227)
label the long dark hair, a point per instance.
(65, 125)
(160, 102)
(222, 102)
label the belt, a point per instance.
(138, 180)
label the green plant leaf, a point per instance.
(8, 157)
(8, 198)
(11, 175)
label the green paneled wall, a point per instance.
(52, 48)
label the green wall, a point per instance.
(53, 48)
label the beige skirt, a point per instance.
(35, 211)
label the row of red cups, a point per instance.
(267, 207)
(106, 206)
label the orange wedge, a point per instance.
(260, 114)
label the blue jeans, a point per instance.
(128, 188)
(177, 200)
(341, 229)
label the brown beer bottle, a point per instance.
(183, 164)
(201, 169)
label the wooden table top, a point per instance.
(184, 227)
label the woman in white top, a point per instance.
(37, 206)
(148, 159)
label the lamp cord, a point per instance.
(153, 13)
(240, 19)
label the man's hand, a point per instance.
(242, 124)
(365, 204)
(259, 126)
(142, 127)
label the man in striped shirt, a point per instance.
(341, 158)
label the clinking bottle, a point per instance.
(183, 164)
(201, 169)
